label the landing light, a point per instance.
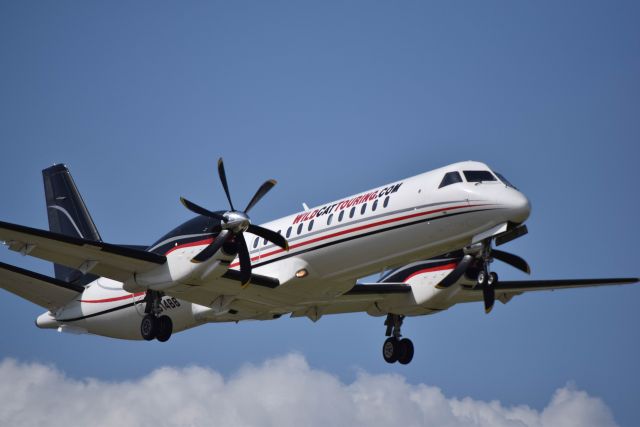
(301, 273)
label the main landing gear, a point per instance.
(395, 349)
(153, 325)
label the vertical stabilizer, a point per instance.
(68, 215)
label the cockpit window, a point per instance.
(479, 176)
(505, 181)
(450, 178)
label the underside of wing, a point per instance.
(104, 259)
(42, 290)
(520, 286)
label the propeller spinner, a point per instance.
(232, 226)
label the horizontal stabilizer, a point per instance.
(103, 259)
(42, 290)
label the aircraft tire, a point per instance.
(165, 328)
(149, 327)
(390, 350)
(405, 353)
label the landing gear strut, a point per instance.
(395, 349)
(153, 325)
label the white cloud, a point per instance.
(281, 392)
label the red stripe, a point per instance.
(450, 266)
(96, 301)
(359, 228)
(187, 245)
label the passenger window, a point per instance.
(450, 178)
(288, 232)
(310, 225)
(374, 206)
(353, 210)
(300, 228)
(265, 242)
(386, 202)
(363, 209)
(329, 219)
(340, 216)
(478, 176)
(255, 242)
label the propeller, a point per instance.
(489, 297)
(233, 224)
(488, 291)
(457, 272)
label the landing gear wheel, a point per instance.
(482, 278)
(149, 327)
(405, 353)
(165, 327)
(390, 350)
(492, 279)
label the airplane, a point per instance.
(432, 237)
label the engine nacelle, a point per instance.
(422, 276)
(179, 270)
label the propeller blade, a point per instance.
(457, 272)
(211, 250)
(223, 179)
(264, 189)
(271, 236)
(245, 260)
(511, 259)
(200, 210)
(489, 296)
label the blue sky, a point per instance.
(332, 98)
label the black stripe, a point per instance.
(378, 289)
(289, 254)
(111, 310)
(41, 277)
(402, 273)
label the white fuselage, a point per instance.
(335, 243)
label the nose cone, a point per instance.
(47, 321)
(519, 207)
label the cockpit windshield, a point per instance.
(450, 178)
(505, 181)
(479, 176)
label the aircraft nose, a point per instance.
(520, 207)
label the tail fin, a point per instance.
(68, 215)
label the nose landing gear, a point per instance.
(153, 325)
(395, 349)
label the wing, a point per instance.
(358, 299)
(45, 291)
(520, 286)
(104, 259)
